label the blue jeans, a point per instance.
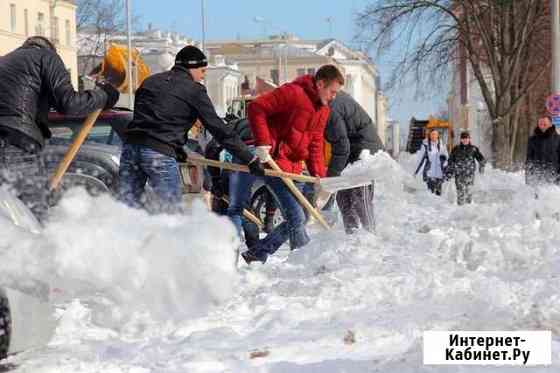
(141, 164)
(240, 185)
(293, 226)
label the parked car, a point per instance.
(96, 166)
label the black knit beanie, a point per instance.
(191, 57)
(39, 42)
(465, 135)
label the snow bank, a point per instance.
(171, 267)
(431, 265)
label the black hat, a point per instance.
(465, 135)
(191, 57)
(39, 42)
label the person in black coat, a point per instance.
(543, 155)
(34, 79)
(166, 107)
(352, 134)
(462, 166)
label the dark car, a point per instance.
(96, 165)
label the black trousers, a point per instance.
(464, 189)
(434, 185)
(356, 206)
(25, 175)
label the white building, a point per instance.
(393, 137)
(223, 83)
(54, 19)
(158, 50)
(282, 58)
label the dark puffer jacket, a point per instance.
(543, 157)
(462, 162)
(166, 107)
(34, 79)
(349, 131)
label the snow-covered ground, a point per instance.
(134, 293)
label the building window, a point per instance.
(55, 30)
(68, 33)
(13, 17)
(26, 21)
(275, 76)
(300, 72)
(311, 71)
(40, 27)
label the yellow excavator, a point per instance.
(420, 129)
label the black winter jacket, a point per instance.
(462, 161)
(543, 157)
(166, 107)
(349, 130)
(32, 80)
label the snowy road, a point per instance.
(159, 294)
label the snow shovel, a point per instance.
(248, 214)
(327, 184)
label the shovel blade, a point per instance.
(334, 184)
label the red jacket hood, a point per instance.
(307, 82)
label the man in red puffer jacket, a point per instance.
(288, 126)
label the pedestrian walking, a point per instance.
(432, 160)
(462, 166)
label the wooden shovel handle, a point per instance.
(302, 200)
(73, 150)
(242, 168)
(248, 214)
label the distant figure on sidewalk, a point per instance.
(432, 159)
(543, 155)
(462, 166)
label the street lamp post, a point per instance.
(203, 15)
(129, 41)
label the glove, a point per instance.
(442, 158)
(218, 188)
(263, 153)
(112, 93)
(180, 155)
(255, 167)
(365, 153)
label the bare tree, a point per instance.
(97, 21)
(504, 42)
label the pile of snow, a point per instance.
(342, 304)
(169, 266)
